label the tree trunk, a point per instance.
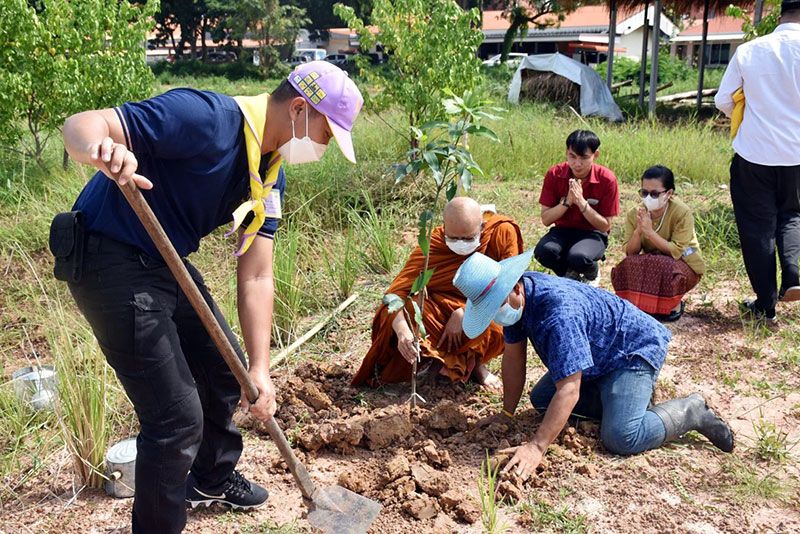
(203, 45)
(511, 34)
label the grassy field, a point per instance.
(347, 227)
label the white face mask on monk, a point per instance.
(463, 247)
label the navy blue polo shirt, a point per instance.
(190, 144)
(575, 327)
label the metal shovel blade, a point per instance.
(337, 510)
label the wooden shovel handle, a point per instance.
(175, 264)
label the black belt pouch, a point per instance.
(67, 238)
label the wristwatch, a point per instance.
(565, 203)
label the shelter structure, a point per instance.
(556, 75)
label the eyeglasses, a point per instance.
(652, 194)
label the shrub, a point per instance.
(64, 57)
(431, 46)
(670, 69)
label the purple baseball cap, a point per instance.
(330, 91)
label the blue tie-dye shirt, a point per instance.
(575, 327)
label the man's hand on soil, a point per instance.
(525, 460)
(265, 405)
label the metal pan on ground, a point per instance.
(36, 385)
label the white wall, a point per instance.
(633, 43)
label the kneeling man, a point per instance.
(466, 230)
(602, 354)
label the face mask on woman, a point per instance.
(508, 316)
(463, 248)
(653, 204)
(297, 151)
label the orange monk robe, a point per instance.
(501, 238)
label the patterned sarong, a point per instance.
(654, 283)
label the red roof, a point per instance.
(374, 30)
(581, 17)
(718, 25)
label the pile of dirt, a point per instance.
(411, 456)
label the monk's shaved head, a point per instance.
(462, 218)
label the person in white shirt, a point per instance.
(765, 172)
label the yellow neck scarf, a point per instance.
(254, 109)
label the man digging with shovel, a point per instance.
(201, 154)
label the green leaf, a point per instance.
(421, 281)
(466, 179)
(423, 242)
(451, 107)
(433, 125)
(425, 219)
(482, 131)
(393, 302)
(431, 159)
(400, 172)
(418, 319)
(452, 189)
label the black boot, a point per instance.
(692, 413)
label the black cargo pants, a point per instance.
(181, 388)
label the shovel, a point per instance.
(333, 509)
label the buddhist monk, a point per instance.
(467, 229)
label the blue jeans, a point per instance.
(619, 400)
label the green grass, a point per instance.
(378, 230)
(27, 439)
(289, 286)
(342, 262)
(543, 517)
(490, 501)
(270, 527)
(746, 484)
(770, 441)
(532, 139)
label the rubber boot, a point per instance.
(692, 413)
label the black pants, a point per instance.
(563, 249)
(766, 203)
(183, 391)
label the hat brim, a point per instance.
(343, 139)
(478, 317)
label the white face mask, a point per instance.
(508, 316)
(463, 248)
(653, 204)
(297, 151)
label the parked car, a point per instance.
(221, 57)
(514, 59)
(313, 54)
(377, 58)
(340, 60)
(297, 60)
